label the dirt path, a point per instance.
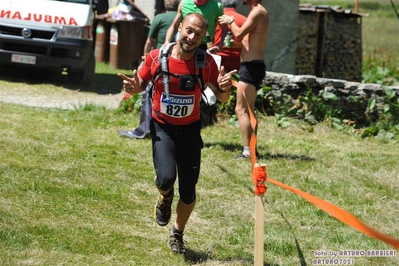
(44, 92)
(55, 97)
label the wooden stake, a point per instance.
(259, 230)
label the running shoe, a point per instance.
(176, 244)
(163, 209)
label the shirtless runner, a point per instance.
(253, 35)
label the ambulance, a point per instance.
(54, 35)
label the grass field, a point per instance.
(73, 192)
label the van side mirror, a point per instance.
(101, 6)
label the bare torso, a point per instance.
(254, 42)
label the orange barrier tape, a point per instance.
(340, 214)
(331, 209)
(259, 178)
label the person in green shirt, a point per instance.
(159, 26)
(210, 9)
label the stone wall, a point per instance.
(352, 97)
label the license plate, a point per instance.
(23, 59)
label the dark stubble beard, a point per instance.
(181, 43)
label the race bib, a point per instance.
(180, 105)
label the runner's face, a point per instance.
(192, 31)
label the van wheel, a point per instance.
(85, 77)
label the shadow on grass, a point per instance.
(237, 148)
(298, 247)
(269, 156)
(301, 257)
(101, 84)
(195, 257)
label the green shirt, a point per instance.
(160, 26)
(211, 10)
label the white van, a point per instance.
(50, 34)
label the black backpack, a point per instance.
(208, 112)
